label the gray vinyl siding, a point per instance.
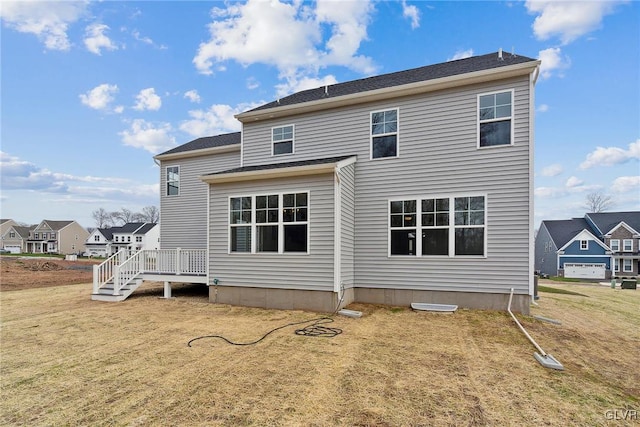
(546, 261)
(347, 221)
(312, 271)
(183, 221)
(438, 155)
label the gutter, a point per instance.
(195, 153)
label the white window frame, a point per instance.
(614, 244)
(166, 184)
(274, 141)
(451, 227)
(584, 245)
(625, 264)
(500, 119)
(616, 264)
(253, 224)
(628, 248)
(396, 133)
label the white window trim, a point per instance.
(624, 265)
(396, 133)
(451, 227)
(293, 140)
(616, 264)
(166, 178)
(624, 245)
(281, 224)
(586, 245)
(611, 245)
(512, 118)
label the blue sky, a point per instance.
(92, 90)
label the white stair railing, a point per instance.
(127, 271)
(103, 273)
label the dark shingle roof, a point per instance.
(606, 221)
(561, 231)
(281, 165)
(57, 225)
(429, 72)
(207, 142)
(23, 231)
(143, 230)
(107, 232)
(129, 227)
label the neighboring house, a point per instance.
(99, 242)
(414, 186)
(598, 246)
(15, 238)
(61, 237)
(132, 236)
(5, 225)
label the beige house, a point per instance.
(62, 237)
(5, 225)
(15, 238)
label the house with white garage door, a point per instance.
(598, 246)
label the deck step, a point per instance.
(105, 293)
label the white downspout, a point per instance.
(337, 241)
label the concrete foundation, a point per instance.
(327, 302)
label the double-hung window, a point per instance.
(627, 245)
(282, 140)
(627, 265)
(445, 226)
(384, 134)
(173, 180)
(584, 245)
(276, 223)
(495, 119)
(615, 245)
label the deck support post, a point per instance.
(167, 290)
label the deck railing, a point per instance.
(123, 267)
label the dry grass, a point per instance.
(69, 361)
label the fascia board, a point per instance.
(196, 153)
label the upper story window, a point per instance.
(96, 238)
(448, 226)
(12, 235)
(282, 140)
(173, 180)
(627, 245)
(139, 239)
(584, 245)
(614, 244)
(36, 235)
(384, 134)
(495, 119)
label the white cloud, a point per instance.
(411, 12)
(611, 156)
(573, 182)
(192, 96)
(214, 121)
(549, 192)
(553, 62)
(542, 108)
(49, 21)
(625, 184)
(95, 38)
(461, 54)
(101, 97)
(568, 20)
(252, 83)
(288, 36)
(552, 170)
(150, 137)
(148, 100)
(296, 84)
(146, 40)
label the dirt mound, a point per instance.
(43, 266)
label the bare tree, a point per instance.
(150, 214)
(123, 216)
(102, 218)
(597, 202)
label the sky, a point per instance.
(91, 91)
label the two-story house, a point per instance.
(62, 237)
(132, 236)
(413, 186)
(598, 246)
(15, 238)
